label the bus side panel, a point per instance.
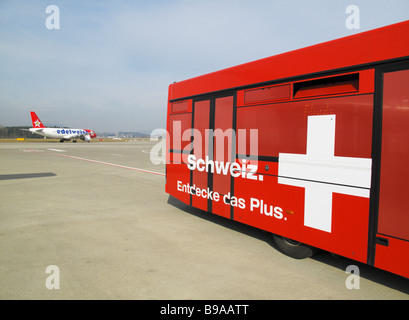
(394, 179)
(178, 125)
(392, 249)
(200, 149)
(177, 173)
(278, 203)
(222, 151)
(393, 257)
(266, 205)
(282, 127)
(279, 209)
(223, 141)
(178, 176)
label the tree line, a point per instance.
(16, 132)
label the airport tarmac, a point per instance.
(100, 214)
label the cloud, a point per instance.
(110, 64)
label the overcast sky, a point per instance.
(109, 65)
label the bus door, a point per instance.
(213, 139)
(393, 215)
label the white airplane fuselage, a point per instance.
(63, 133)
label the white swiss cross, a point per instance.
(321, 173)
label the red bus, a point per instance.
(310, 145)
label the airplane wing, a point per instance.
(84, 137)
(34, 130)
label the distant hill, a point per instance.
(130, 134)
(124, 134)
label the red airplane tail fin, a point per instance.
(36, 120)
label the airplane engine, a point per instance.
(86, 138)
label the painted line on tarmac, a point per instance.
(112, 164)
(31, 150)
(58, 150)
